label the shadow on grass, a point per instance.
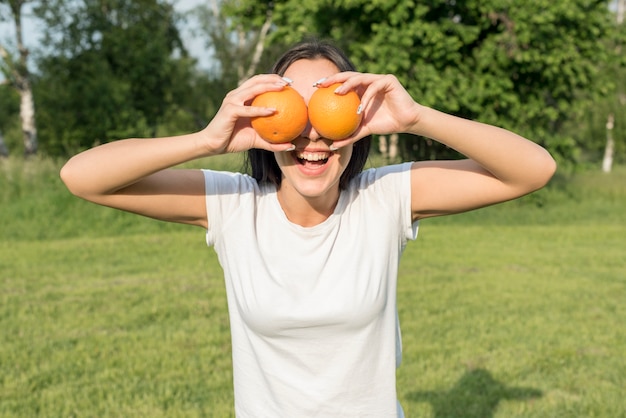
(476, 395)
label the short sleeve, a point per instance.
(411, 227)
(225, 194)
(392, 184)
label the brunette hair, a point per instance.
(261, 163)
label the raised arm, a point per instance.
(135, 175)
(500, 165)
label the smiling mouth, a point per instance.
(308, 157)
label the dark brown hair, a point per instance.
(262, 164)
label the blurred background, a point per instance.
(82, 72)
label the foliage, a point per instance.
(10, 105)
(37, 206)
(233, 35)
(548, 70)
(527, 66)
(113, 70)
(589, 131)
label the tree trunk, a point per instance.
(607, 161)
(19, 78)
(27, 115)
(383, 148)
(22, 79)
(609, 148)
(393, 146)
(388, 146)
(240, 40)
(4, 151)
(259, 47)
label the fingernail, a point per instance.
(339, 89)
(291, 148)
(359, 109)
(333, 147)
(288, 80)
(318, 82)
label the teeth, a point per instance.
(313, 156)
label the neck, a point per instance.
(307, 211)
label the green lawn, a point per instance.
(521, 321)
(117, 327)
(513, 311)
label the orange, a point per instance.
(287, 122)
(332, 115)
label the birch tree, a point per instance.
(609, 148)
(15, 69)
(4, 151)
(238, 44)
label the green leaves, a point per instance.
(529, 66)
(111, 72)
(550, 70)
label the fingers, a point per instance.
(366, 85)
(380, 97)
(239, 110)
(359, 82)
(286, 147)
(254, 86)
(383, 84)
(233, 118)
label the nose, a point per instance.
(310, 133)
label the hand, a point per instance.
(386, 105)
(230, 130)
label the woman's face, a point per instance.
(312, 169)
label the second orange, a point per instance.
(334, 116)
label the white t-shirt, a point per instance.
(313, 310)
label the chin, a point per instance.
(314, 187)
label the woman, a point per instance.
(310, 244)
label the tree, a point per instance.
(236, 36)
(15, 69)
(609, 148)
(4, 151)
(528, 66)
(114, 69)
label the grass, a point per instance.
(512, 311)
(516, 311)
(113, 327)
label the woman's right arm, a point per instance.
(135, 175)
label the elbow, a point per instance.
(544, 169)
(71, 178)
(67, 177)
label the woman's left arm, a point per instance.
(500, 164)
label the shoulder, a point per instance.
(389, 186)
(384, 193)
(226, 182)
(384, 176)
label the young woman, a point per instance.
(310, 244)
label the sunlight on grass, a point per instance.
(512, 311)
(113, 327)
(542, 313)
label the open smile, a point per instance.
(312, 157)
(312, 162)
